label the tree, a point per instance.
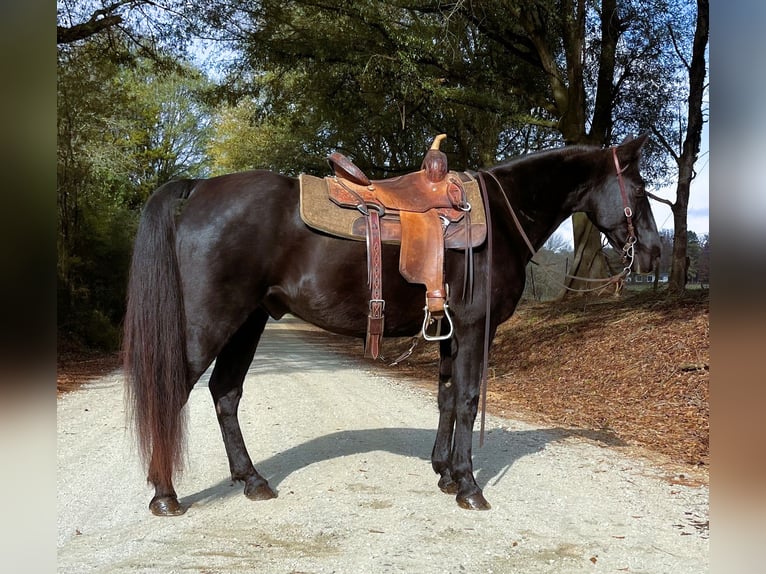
(703, 265)
(158, 30)
(597, 59)
(421, 70)
(97, 22)
(666, 254)
(546, 273)
(693, 251)
(690, 136)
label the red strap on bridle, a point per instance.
(625, 205)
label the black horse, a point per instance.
(215, 258)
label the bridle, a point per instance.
(628, 250)
(630, 242)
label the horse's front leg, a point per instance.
(440, 456)
(466, 375)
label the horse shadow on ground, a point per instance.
(502, 448)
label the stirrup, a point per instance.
(428, 319)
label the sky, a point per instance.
(699, 196)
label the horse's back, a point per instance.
(242, 244)
(244, 198)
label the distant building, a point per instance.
(645, 278)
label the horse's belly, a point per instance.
(345, 316)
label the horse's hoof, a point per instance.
(474, 501)
(447, 485)
(166, 506)
(260, 491)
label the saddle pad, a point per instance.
(320, 213)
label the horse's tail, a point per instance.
(154, 341)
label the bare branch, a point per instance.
(660, 199)
(678, 49)
(100, 20)
(93, 26)
(669, 148)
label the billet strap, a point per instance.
(375, 319)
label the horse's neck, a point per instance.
(542, 191)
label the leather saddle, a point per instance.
(425, 211)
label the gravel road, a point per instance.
(348, 451)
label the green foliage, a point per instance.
(281, 143)
(666, 254)
(376, 80)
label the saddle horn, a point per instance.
(435, 161)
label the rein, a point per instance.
(485, 356)
(628, 255)
(627, 250)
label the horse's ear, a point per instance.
(631, 147)
(626, 139)
(642, 139)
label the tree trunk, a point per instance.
(691, 147)
(589, 260)
(678, 268)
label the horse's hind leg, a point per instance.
(165, 500)
(441, 454)
(225, 384)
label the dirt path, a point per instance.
(348, 452)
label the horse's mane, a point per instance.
(536, 156)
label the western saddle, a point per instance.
(425, 212)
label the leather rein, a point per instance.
(628, 251)
(628, 254)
